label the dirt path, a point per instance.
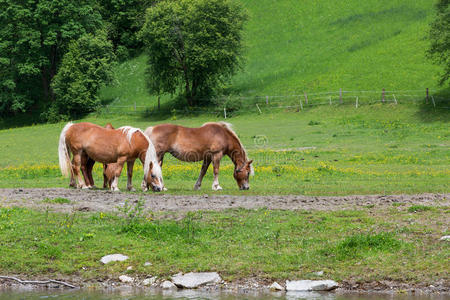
(101, 200)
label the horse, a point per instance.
(125, 144)
(89, 166)
(208, 143)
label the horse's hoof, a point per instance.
(217, 188)
(131, 189)
(197, 187)
(164, 189)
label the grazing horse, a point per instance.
(89, 166)
(126, 144)
(208, 143)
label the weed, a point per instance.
(419, 208)
(58, 200)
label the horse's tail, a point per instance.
(63, 152)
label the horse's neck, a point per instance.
(237, 154)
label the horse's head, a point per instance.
(242, 173)
(153, 179)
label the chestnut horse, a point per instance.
(126, 144)
(89, 166)
(208, 143)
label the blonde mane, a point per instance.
(229, 128)
(150, 154)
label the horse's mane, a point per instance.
(229, 128)
(150, 155)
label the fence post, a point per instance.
(301, 105)
(159, 102)
(395, 99)
(306, 98)
(356, 103)
(257, 106)
(267, 99)
(224, 112)
(382, 96)
(434, 103)
(340, 95)
(427, 97)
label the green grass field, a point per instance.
(326, 150)
(366, 245)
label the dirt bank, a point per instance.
(101, 200)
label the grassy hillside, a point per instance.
(315, 46)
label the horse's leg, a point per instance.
(130, 165)
(89, 166)
(76, 164)
(205, 165)
(216, 163)
(116, 173)
(84, 170)
(106, 182)
(72, 179)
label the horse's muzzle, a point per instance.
(156, 189)
(244, 187)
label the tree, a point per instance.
(192, 45)
(34, 35)
(439, 50)
(85, 67)
(124, 18)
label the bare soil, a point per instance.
(107, 201)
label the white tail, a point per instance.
(64, 159)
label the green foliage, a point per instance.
(419, 208)
(123, 20)
(58, 200)
(85, 67)
(193, 45)
(358, 245)
(440, 39)
(34, 35)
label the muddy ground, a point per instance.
(106, 201)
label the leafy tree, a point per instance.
(440, 38)
(124, 19)
(192, 45)
(34, 35)
(85, 67)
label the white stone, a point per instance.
(276, 287)
(126, 279)
(147, 263)
(445, 238)
(194, 280)
(113, 257)
(149, 281)
(311, 285)
(167, 285)
(320, 273)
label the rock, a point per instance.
(126, 279)
(445, 238)
(194, 280)
(276, 287)
(168, 285)
(149, 281)
(113, 257)
(130, 268)
(320, 273)
(311, 285)
(147, 263)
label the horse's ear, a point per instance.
(249, 162)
